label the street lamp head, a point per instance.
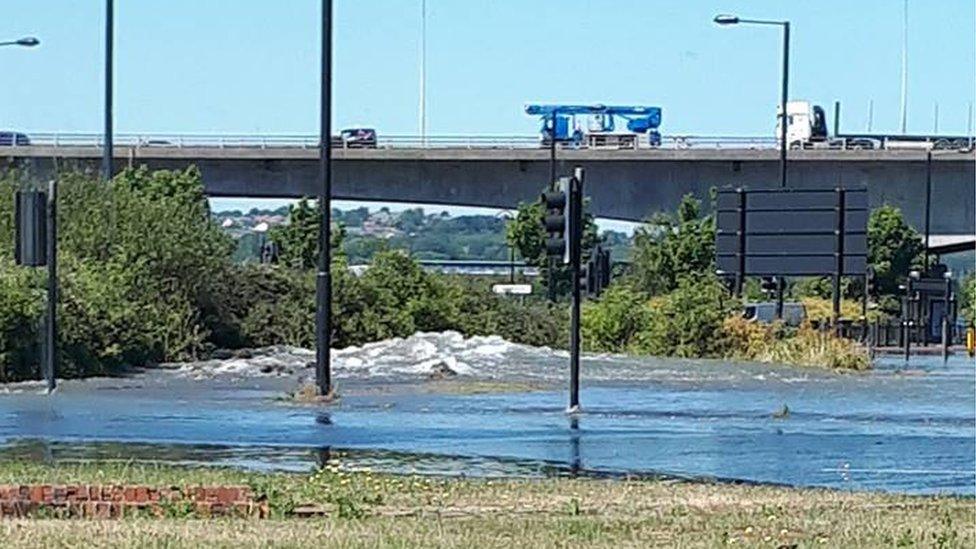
(725, 19)
(28, 42)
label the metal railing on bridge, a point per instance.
(300, 141)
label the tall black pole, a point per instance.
(109, 36)
(946, 311)
(51, 324)
(928, 205)
(323, 278)
(782, 102)
(551, 274)
(575, 197)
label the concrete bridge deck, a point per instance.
(623, 184)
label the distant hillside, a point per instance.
(425, 235)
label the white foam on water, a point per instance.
(421, 355)
(425, 355)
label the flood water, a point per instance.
(902, 428)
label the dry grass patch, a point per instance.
(369, 510)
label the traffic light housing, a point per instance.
(556, 220)
(596, 273)
(871, 282)
(769, 284)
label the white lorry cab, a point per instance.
(806, 128)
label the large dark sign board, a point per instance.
(792, 232)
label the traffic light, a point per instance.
(870, 281)
(769, 284)
(596, 273)
(556, 220)
(588, 279)
(603, 261)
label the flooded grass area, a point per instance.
(368, 509)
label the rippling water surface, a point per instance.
(905, 428)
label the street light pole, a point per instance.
(107, 169)
(423, 73)
(784, 98)
(928, 206)
(323, 278)
(726, 20)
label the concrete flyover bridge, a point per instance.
(501, 172)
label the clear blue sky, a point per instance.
(249, 66)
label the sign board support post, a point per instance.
(575, 207)
(740, 276)
(907, 319)
(780, 290)
(864, 304)
(839, 256)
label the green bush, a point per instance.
(534, 322)
(393, 298)
(138, 256)
(21, 302)
(687, 322)
(611, 323)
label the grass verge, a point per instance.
(370, 510)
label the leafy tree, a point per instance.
(967, 298)
(671, 246)
(894, 248)
(299, 238)
(410, 220)
(526, 233)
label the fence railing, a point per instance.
(892, 333)
(301, 141)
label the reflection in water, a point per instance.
(288, 459)
(322, 457)
(575, 463)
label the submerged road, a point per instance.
(901, 429)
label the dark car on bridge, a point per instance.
(14, 139)
(355, 138)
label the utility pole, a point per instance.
(107, 169)
(969, 124)
(928, 206)
(423, 73)
(904, 69)
(323, 278)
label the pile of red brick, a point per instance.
(113, 501)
